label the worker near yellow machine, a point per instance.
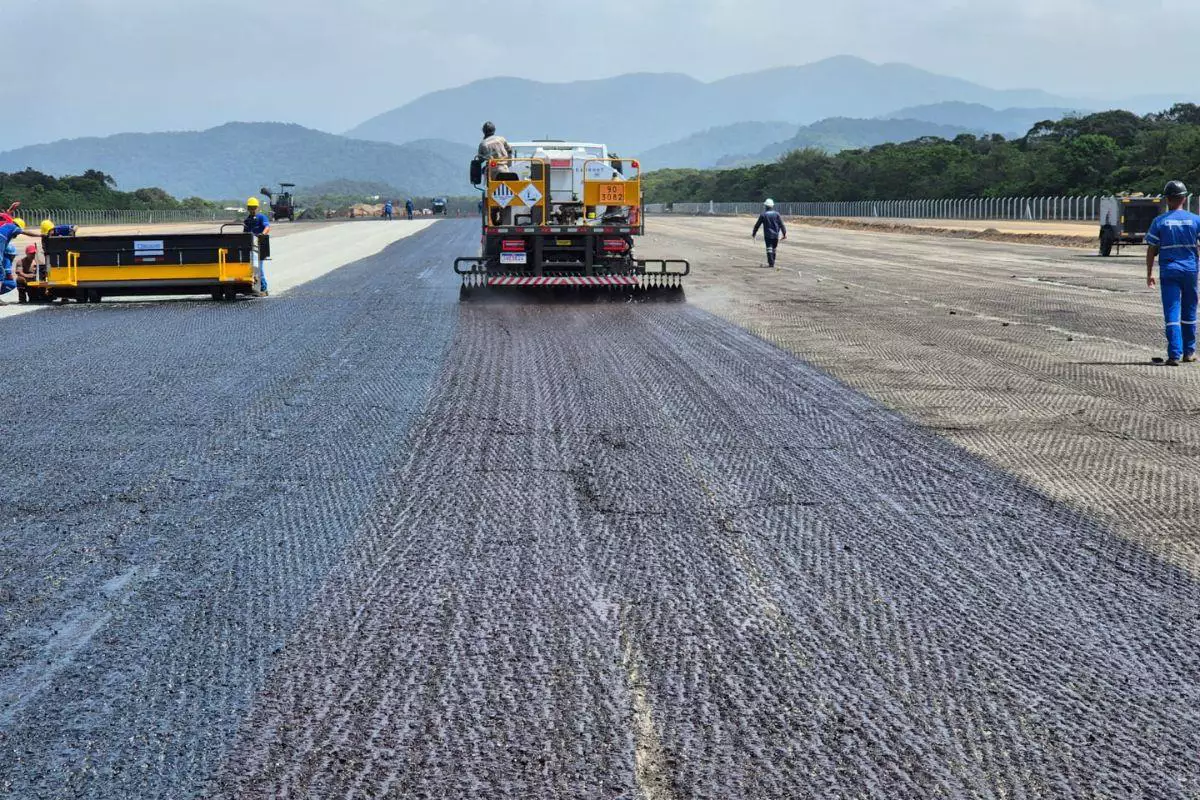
(8, 281)
(11, 230)
(1173, 239)
(771, 223)
(27, 272)
(260, 225)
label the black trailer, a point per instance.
(1125, 219)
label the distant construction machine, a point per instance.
(564, 214)
(283, 205)
(1125, 219)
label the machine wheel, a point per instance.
(1107, 240)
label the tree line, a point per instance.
(93, 190)
(1104, 153)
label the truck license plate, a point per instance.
(512, 258)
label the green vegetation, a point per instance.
(1101, 153)
(92, 190)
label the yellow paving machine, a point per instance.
(89, 268)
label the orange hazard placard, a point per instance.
(612, 194)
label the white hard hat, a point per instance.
(770, 203)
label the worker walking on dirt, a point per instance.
(260, 225)
(771, 223)
(1173, 239)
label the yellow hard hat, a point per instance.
(20, 223)
(47, 226)
(252, 202)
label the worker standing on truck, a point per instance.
(772, 227)
(493, 147)
(1173, 239)
(257, 223)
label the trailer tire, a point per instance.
(1107, 240)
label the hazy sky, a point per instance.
(105, 66)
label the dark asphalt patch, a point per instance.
(178, 484)
(640, 552)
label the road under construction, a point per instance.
(910, 517)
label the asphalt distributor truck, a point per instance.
(563, 215)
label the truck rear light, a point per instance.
(560, 163)
(512, 245)
(614, 245)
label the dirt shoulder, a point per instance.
(1054, 234)
(1036, 358)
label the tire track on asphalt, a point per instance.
(225, 453)
(638, 549)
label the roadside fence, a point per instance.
(1080, 209)
(33, 216)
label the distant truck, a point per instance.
(439, 205)
(1125, 219)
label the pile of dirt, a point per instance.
(988, 234)
(366, 210)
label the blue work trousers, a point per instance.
(7, 283)
(772, 247)
(1179, 312)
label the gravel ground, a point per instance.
(557, 550)
(183, 478)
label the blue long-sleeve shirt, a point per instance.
(771, 223)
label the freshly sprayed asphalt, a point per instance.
(359, 541)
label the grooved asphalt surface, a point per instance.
(548, 550)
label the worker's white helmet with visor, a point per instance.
(769, 203)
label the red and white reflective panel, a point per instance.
(563, 280)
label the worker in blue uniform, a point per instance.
(773, 229)
(260, 225)
(408, 208)
(389, 211)
(8, 281)
(11, 230)
(1172, 239)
